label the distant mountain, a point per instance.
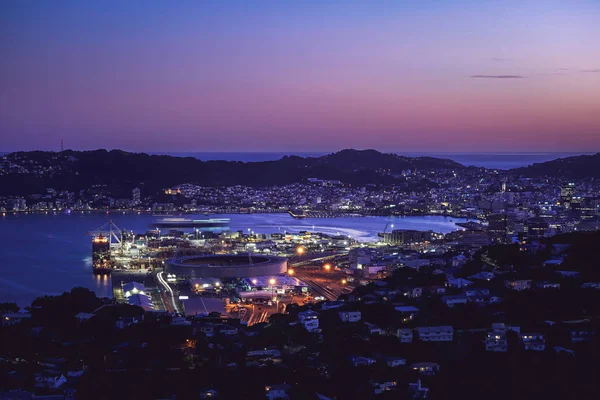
(32, 172)
(575, 167)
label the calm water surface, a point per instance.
(50, 253)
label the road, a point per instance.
(320, 283)
(164, 283)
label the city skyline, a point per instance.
(142, 76)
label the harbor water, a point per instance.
(47, 254)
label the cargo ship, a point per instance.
(101, 263)
(190, 223)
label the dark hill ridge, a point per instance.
(32, 172)
(576, 167)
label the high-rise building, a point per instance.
(135, 194)
(497, 226)
(566, 194)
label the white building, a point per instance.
(496, 339)
(435, 333)
(349, 316)
(309, 320)
(533, 341)
(405, 335)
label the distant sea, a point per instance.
(504, 160)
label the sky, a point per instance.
(402, 76)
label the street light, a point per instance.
(291, 272)
(327, 267)
(299, 250)
(344, 281)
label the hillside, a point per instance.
(24, 173)
(576, 167)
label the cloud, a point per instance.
(590, 70)
(498, 76)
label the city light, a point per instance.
(272, 281)
(344, 281)
(327, 267)
(300, 250)
(291, 272)
(254, 281)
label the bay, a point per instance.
(47, 254)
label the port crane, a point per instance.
(111, 231)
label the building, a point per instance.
(135, 196)
(435, 333)
(405, 236)
(309, 320)
(14, 318)
(496, 339)
(277, 391)
(349, 316)
(497, 226)
(533, 341)
(518, 284)
(426, 368)
(407, 313)
(405, 335)
(454, 300)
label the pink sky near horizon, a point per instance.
(310, 79)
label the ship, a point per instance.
(190, 223)
(101, 262)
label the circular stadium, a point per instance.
(226, 266)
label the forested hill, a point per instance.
(575, 167)
(24, 173)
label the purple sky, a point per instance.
(300, 76)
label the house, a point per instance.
(437, 290)
(533, 341)
(405, 335)
(435, 333)
(226, 330)
(407, 313)
(83, 316)
(416, 391)
(309, 320)
(277, 391)
(50, 379)
(209, 394)
(358, 361)
(14, 318)
(328, 305)
(394, 362)
(547, 285)
(385, 386)
(124, 322)
(349, 316)
(412, 291)
(202, 327)
(453, 300)
(458, 282)
(373, 329)
(483, 276)
(581, 335)
(496, 339)
(518, 284)
(426, 368)
(591, 285)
